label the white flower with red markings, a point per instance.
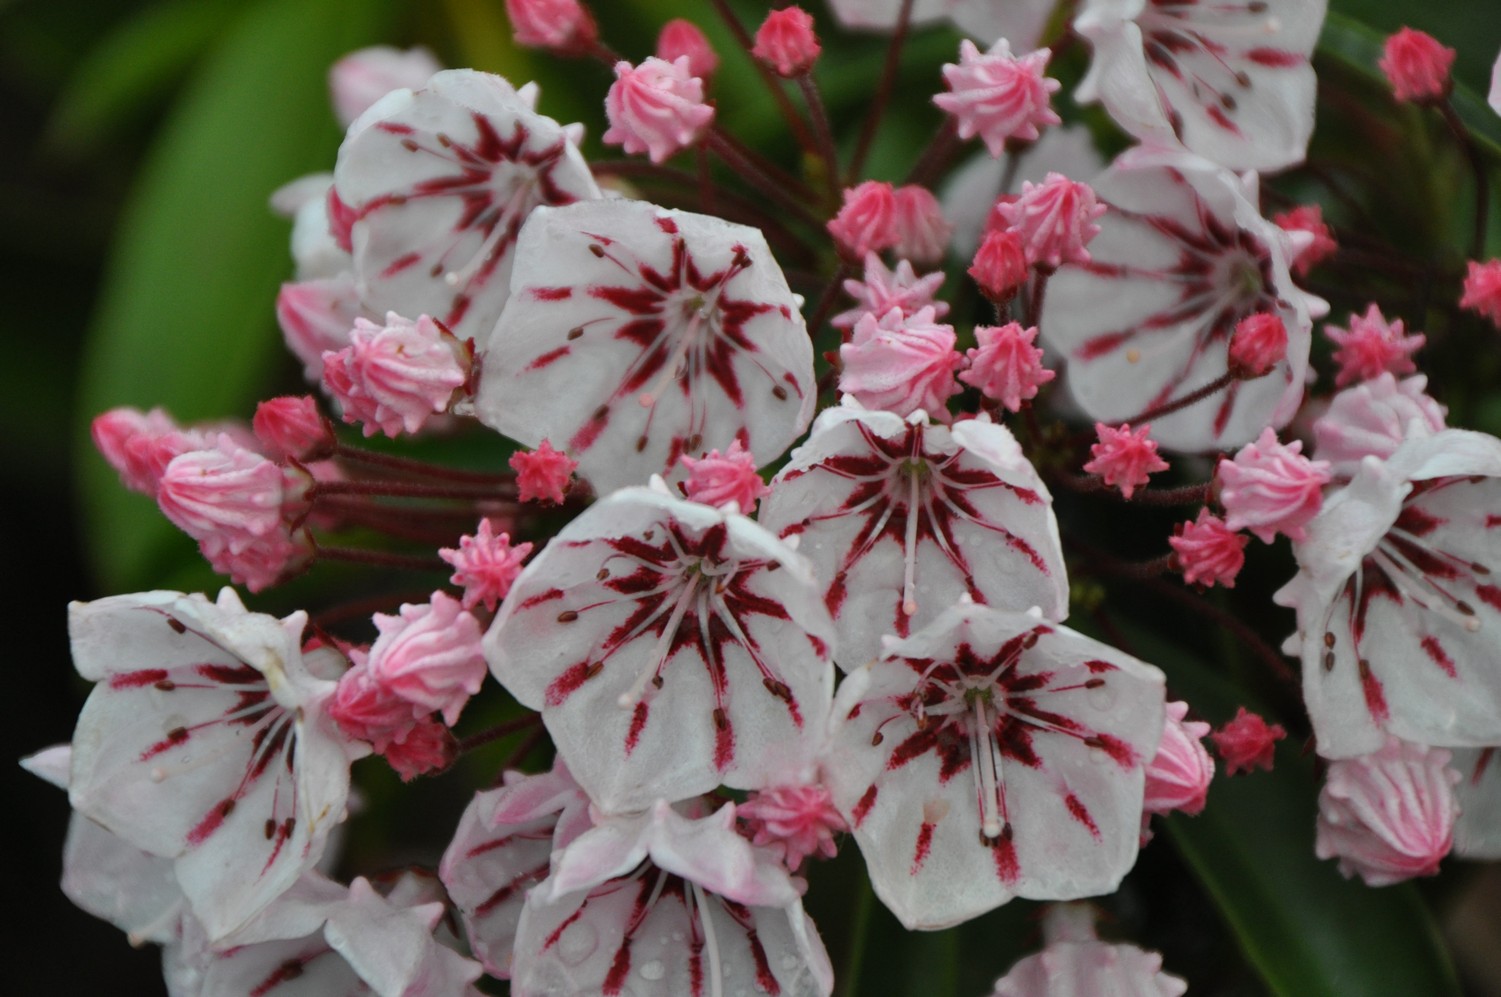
(994, 755)
(671, 647)
(637, 334)
(902, 518)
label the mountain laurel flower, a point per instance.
(1417, 66)
(1245, 742)
(1372, 346)
(1207, 551)
(1308, 219)
(796, 820)
(785, 41)
(361, 78)
(430, 656)
(883, 289)
(1372, 419)
(1055, 219)
(562, 26)
(1179, 774)
(396, 376)
(292, 427)
(680, 37)
(1124, 457)
(1000, 266)
(999, 96)
(656, 107)
(543, 474)
(1006, 367)
(922, 231)
(866, 222)
(485, 565)
(1270, 487)
(1390, 815)
(1075, 963)
(1482, 290)
(719, 479)
(1258, 344)
(901, 365)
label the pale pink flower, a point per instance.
(361, 78)
(884, 289)
(866, 222)
(315, 317)
(1309, 219)
(1417, 66)
(561, 25)
(291, 426)
(1372, 419)
(785, 41)
(485, 565)
(396, 376)
(1207, 551)
(263, 561)
(999, 96)
(543, 474)
(1179, 774)
(1124, 457)
(1055, 219)
(798, 820)
(430, 656)
(656, 107)
(139, 445)
(368, 710)
(1258, 345)
(901, 365)
(1006, 367)
(1000, 266)
(680, 37)
(1372, 346)
(1245, 742)
(1077, 964)
(922, 231)
(1270, 487)
(426, 747)
(227, 496)
(719, 479)
(1482, 288)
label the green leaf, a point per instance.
(186, 318)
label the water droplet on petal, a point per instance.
(1102, 696)
(578, 943)
(158, 774)
(653, 970)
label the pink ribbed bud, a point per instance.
(1372, 346)
(367, 710)
(1124, 457)
(1389, 815)
(1245, 743)
(292, 427)
(264, 561)
(922, 233)
(227, 496)
(1055, 220)
(657, 108)
(719, 479)
(1179, 774)
(543, 474)
(429, 656)
(1258, 344)
(883, 290)
(785, 41)
(901, 364)
(485, 565)
(396, 376)
(1417, 66)
(315, 316)
(1000, 266)
(1482, 290)
(560, 25)
(798, 821)
(866, 223)
(1207, 551)
(361, 78)
(679, 39)
(1309, 219)
(999, 96)
(1006, 367)
(1270, 488)
(427, 747)
(139, 445)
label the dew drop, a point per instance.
(158, 774)
(653, 970)
(789, 961)
(578, 943)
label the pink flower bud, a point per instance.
(720, 479)
(1389, 815)
(798, 821)
(657, 108)
(396, 376)
(1006, 367)
(292, 427)
(1055, 220)
(368, 711)
(227, 496)
(1482, 290)
(485, 565)
(786, 42)
(1372, 346)
(1258, 344)
(139, 445)
(883, 290)
(429, 656)
(1207, 551)
(1309, 219)
(922, 231)
(1270, 488)
(1417, 66)
(682, 38)
(427, 747)
(560, 25)
(542, 475)
(1245, 743)
(867, 221)
(1123, 457)
(315, 317)
(263, 561)
(1000, 267)
(1372, 419)
(1179, 774)
(901, 364)
(999, 96)
(361, 78)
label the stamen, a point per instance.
(982, 752)
(711, 945)
(909, 603)
(632, 696)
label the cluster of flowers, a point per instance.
(682, 655)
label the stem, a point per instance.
(402, 523)
(411, 489)
(830, 295)
(781, 190)
(379, 558)
(883, 93)
(362, 609)
(1186, 495)
(859, 925)
(518, 756)
(420, 468)
(822, 132)
(499, 731)
(1192, 398)
(936, 157)
(1477, 167)
(773, 82)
